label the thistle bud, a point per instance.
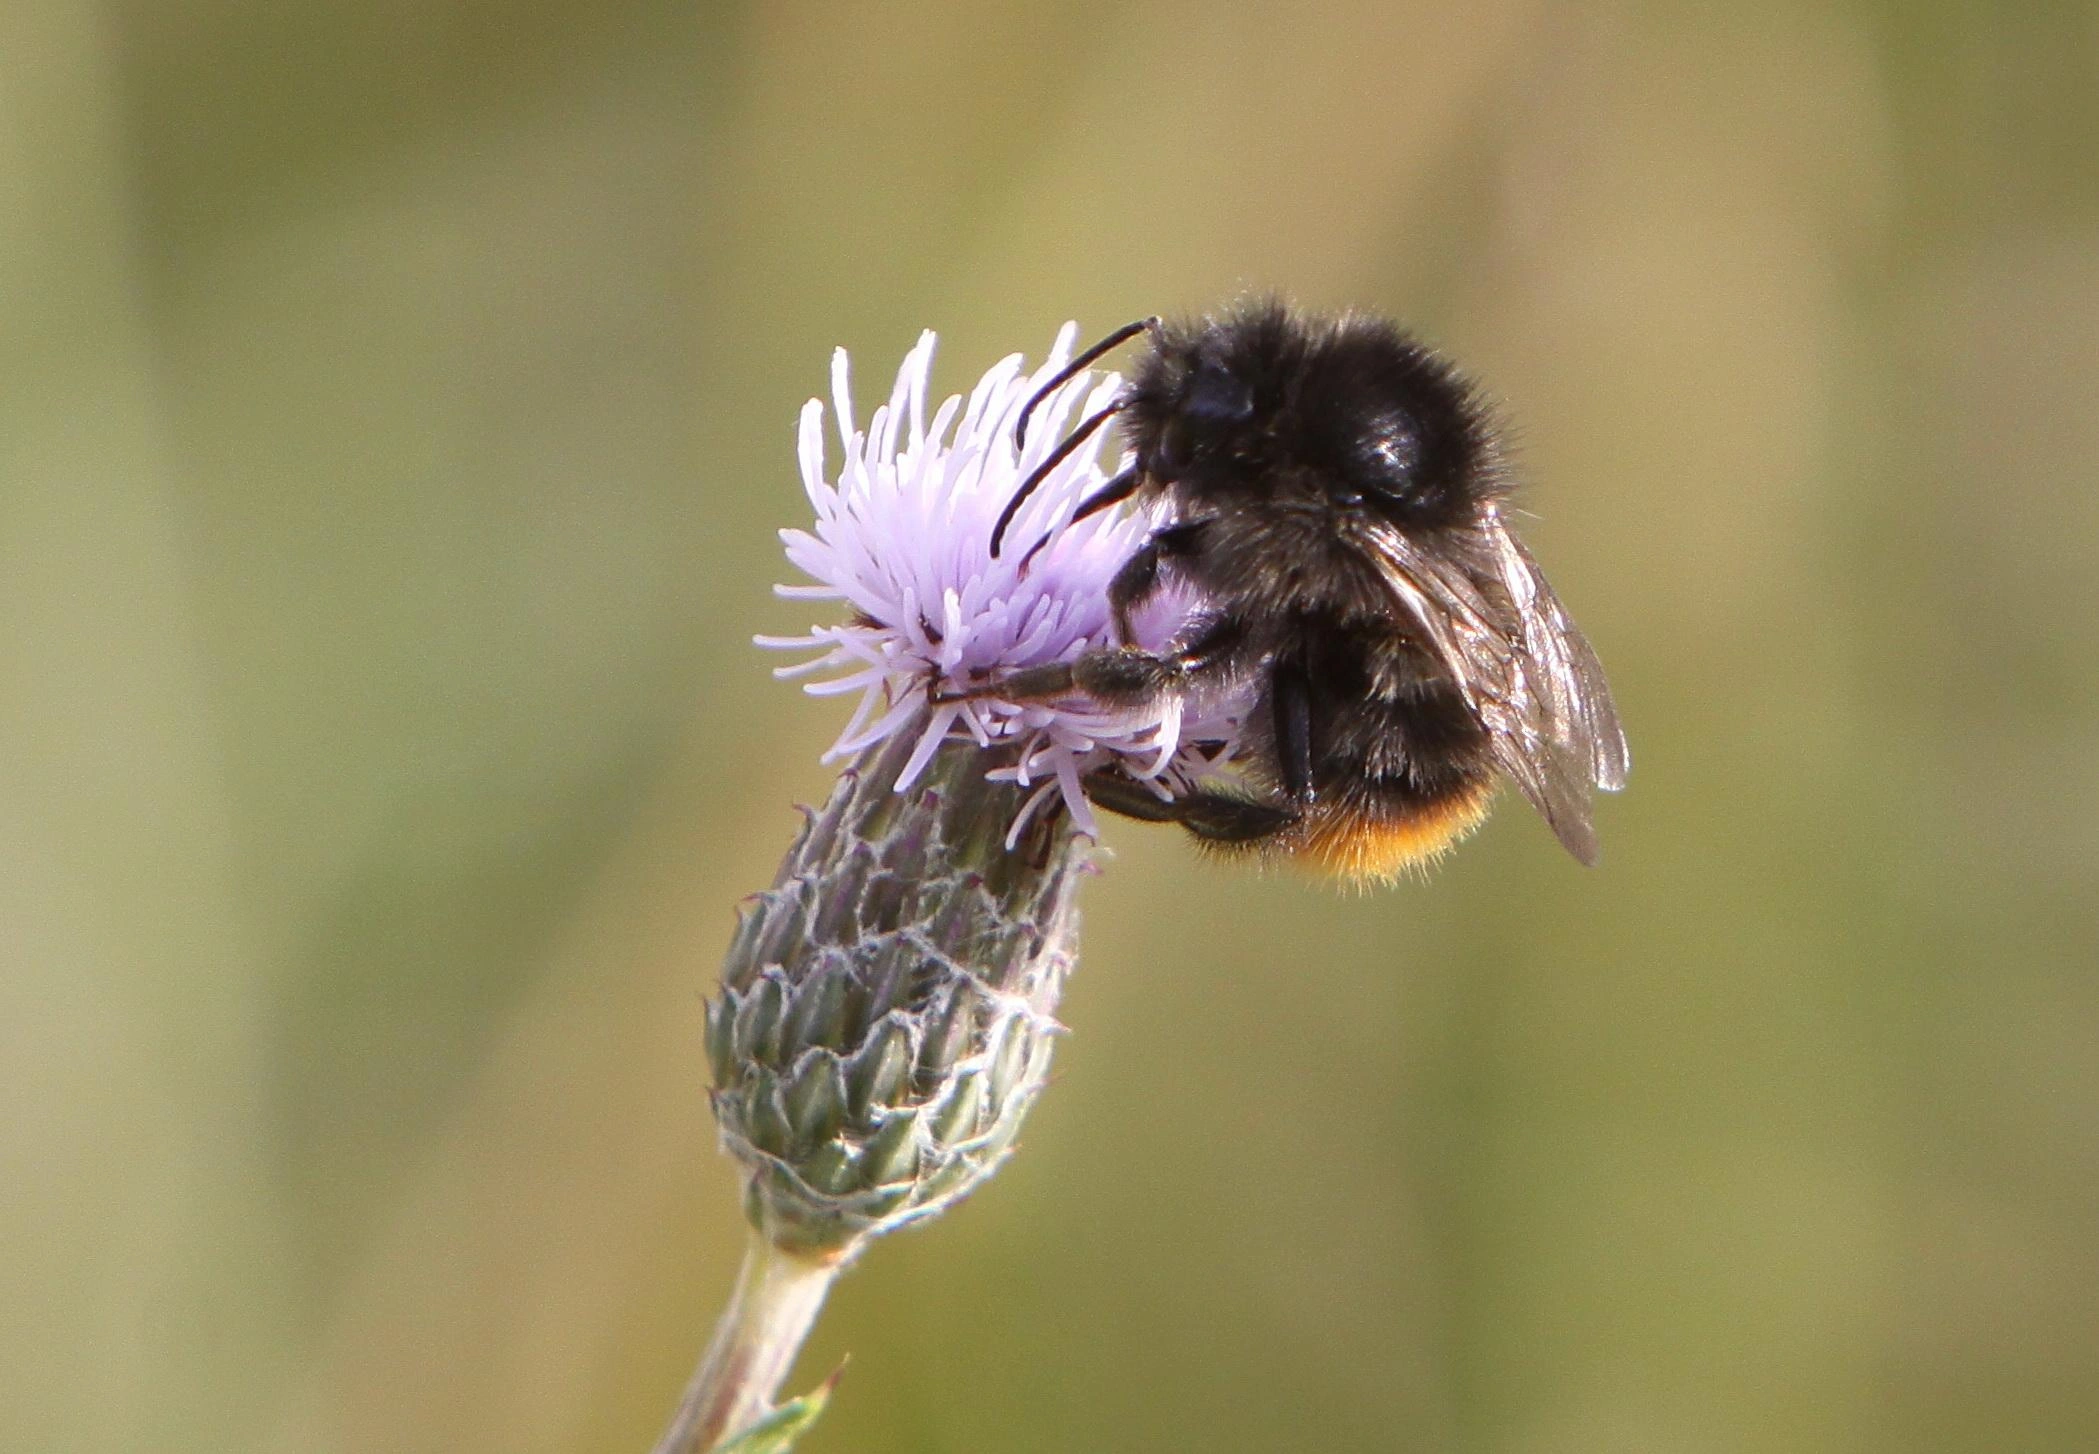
(886, 1014)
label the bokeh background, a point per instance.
(396, 409)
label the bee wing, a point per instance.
(1556, 733)
(1529, 673)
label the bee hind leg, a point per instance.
(1208, 814)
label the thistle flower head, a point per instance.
(903, 539)
(887, 1008)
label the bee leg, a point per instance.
(1290, 692)
(1118, 794)
(1211, 815)
(1124, 677)
(1129, 678)
(1138, 579)
(1029, 684)
(1120, 678)
(1133, 585)
(1217, 817)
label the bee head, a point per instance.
(1191, 411)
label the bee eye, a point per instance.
(1217, 396)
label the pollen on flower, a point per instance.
(902, 540)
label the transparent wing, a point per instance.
(1525, 667)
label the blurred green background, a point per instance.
(398, 407)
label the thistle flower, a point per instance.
(887, 1008)
(903, 539)
(886, 1013)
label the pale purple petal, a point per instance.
(902, 534)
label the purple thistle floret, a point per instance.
(903, 539)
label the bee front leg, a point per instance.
(1121, 678)
(1139, 578)
(1125, 676)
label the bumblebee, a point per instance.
(1336, 500)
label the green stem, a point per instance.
(775, 1304)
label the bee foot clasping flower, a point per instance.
(887, 1007)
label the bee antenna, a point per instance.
(1041, 472)
(1076, 367)
(1114, 492)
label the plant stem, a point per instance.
(775, 1304)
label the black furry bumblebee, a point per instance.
(1335, 499)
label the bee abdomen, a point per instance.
(1372, 835)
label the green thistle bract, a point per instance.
(886, 1015)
